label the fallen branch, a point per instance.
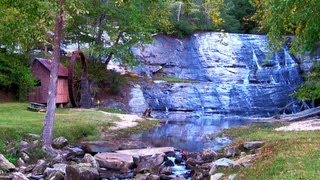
(289, 118)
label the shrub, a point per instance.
(183, 29)
(310, 90)
(15, 74)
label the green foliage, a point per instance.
(24, 24)
(310, 90)
(205, 15)
(126, 23)
(183, 29)
(236, 16)
(15, 74)
(116, 81)
(298, 18)
(110, 78)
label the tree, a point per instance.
(298, 18)
(24, 24)
(47, 133)
(111, 28)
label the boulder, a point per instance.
(209, 155)
(23, 145)
(88, 158)
(60, 167)
(141, 176)
(232, 177)
(230, 151)
(205, 168)
(19, 176)
(150, 164)
(198, 175)
(74, 151)
(81, 172)
(137, 102)
(244, 161)
(39, 167)
(191, 162)
(56, 176)
(223, 162)
(147, 151)
(132, 145)
(5, 177)
(34, 136)
(36, 177)
(153, 177)
(25, 157)
(166, 171)
(5, 165)
(96, 146)
(27, 146)
(213, 169)
(59, 142)
(20, 162)
(29, 168)
(115, 161)
(242, 154)
(216, 176)
(253, 144)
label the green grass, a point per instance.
(16, 121)
(175, 80)
(142, 126)
(113, 110)
(286, 155)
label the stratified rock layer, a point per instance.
(235, 76)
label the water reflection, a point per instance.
(191, 135)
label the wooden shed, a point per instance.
(41, 70)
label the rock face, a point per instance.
(234, 76)
(137, 102)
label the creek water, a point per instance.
(193, 135)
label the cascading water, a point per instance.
(233, 75)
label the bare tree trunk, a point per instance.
(47, 133)
(179, 11)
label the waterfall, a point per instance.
(255, 59)
(231, 80)
(246, 78)
(289, 62)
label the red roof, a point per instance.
(62, 71)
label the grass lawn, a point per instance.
(287, 155)
(16, 121)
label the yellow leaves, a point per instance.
(214, 10)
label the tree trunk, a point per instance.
(47, 132)
(111, 53)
